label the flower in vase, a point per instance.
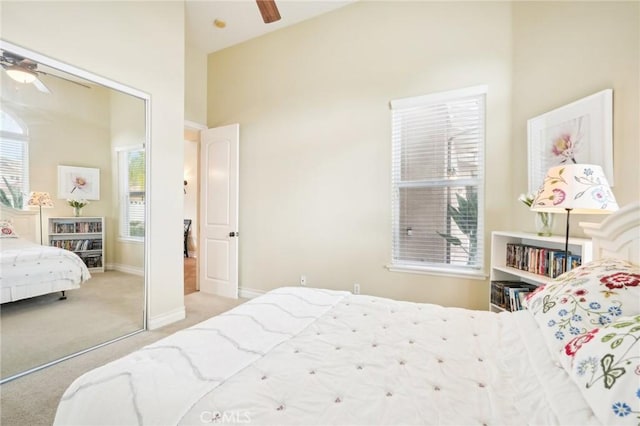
(527, 199)
(77, 204)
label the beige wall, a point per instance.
(564, 51)
(312, 103)
(140, 44)
(69, 127)
(127, 130)
(195, 84)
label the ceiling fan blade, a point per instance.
(40, 86)
(268, 10)
(64, 78)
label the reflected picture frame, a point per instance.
(78, 183)
(580, 132)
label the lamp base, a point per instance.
(566, 243)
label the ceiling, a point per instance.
(243, 20)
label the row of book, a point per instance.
(92, 261)
(509, 295)
(541, 260)
(76, 228)
(77, 245)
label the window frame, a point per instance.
(439, 269)
(23, 139)
(123, 191)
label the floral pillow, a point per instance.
(6, 230)
(605, 364)
(589, 296)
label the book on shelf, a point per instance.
(517, 295)
(92, 261)
(540, 260)
(507, 294)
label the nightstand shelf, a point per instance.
(501, 272)
(82, 235)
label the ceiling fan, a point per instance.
(26, 71)
(268, 10)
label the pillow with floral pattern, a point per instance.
(589, 296)
(605, 364)
(6, 230)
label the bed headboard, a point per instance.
(25, 222)
(617, 235)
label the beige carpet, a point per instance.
(41, 329)
(32, 399)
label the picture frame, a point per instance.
(78, 183)
(579, 132)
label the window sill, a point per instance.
(426, 270)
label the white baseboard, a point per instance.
(166, 318)
(128, 269)
(249, 293)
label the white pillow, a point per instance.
(605, 364)
(587, 297)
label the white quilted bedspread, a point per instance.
(28, 269)
(318, 357)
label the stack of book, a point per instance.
(540, 260)
(510, 294)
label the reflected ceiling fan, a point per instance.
(268, 10)
(26, 71)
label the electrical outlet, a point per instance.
(303, 280)
(356, 288)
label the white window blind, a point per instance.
(14, 162)
(438, 181)
(132, 192)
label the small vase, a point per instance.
(544, 223)
(77, 211)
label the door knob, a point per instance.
(234, 234)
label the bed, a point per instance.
(309, 356)
(28, 269)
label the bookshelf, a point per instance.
(82, 235)
(501, 272)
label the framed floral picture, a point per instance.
(580, 132)
(78, 183)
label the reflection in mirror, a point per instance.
(73, 278)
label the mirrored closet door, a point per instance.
(73, 151)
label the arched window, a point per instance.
(14, 161)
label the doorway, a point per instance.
(191, 205)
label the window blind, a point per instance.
(438, 180)
(14, 168)
(132, 188)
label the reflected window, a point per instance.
(131, 175)
(14, 161)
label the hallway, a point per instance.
(190, 272)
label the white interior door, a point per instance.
(219, 158)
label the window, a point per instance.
(14, 161)
(132, 192)
(438, 182)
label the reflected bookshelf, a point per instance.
(82, 235)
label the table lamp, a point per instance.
(40, 199)
(577, 188)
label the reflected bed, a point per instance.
(28, 269)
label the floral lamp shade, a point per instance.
(581, 188)
(41, 199)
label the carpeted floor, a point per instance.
(32, 399)
(41, 329)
